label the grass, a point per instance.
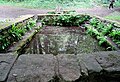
(114, 16)
(117, 4)
(51, 4)
(46, 4)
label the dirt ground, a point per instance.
(7, 12)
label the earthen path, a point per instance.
(13, 12)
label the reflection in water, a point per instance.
(62, 40)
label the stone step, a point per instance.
(42, 68)
(6, 63)
(67, 67)
(109, 61)
(90, 63)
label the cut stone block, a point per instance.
(6, 63)
(90, 63)
(69, 67)
(42, 68)
(110, 61)
(32, 68)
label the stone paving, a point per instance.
(6, 63)
(67, 67)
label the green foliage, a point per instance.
(15, 0)
(96, 28)
(105, 29)
(107, 2)
(117, 3)
(64, 12)
(14, 34)
(32, 22)
(102, 40)
(52, 4)
(4, 42)
(65, 20)
(49, 4)
(48, 20)
(115, 17)
(92, 31)
(100, 30)
(115, 34)
(100, 26)
(94, 22)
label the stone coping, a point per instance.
(6, 64)
(70, 67)
(19, 46)
(101, 18)
(8, 25)
(26, 17)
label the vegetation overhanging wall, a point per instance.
(106, 32)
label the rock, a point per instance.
(68, 66)
(43, 68)
(90, 63)
(6, 63)
(92, 67)
(32, 68)
(109, 60)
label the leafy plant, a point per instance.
(48, 20)
(94, 22)
(102, 40)
(103, 28)
(115, 34)
(65, 20)
(32, 22)
(100, 26)
(107, 29)
(92, 31)
(4, 42)
(14, 32)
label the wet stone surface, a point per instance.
(67, 68)
(63, 40)
(6, 62)
(90, 63)
(109, 61)
(62, 54)
(32, 68)
(42, 68)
